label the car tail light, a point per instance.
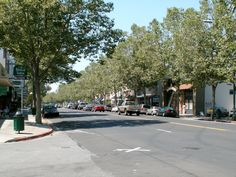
(168, 111)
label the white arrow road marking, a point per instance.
(164, 130)
(132, 150)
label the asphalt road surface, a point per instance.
(148, 146)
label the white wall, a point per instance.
(1, 57)
(223, 97)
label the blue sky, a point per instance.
(140, 12)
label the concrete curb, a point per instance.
(31, 137)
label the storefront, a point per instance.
(186, 99)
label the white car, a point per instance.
(114, 109)
(153, 110)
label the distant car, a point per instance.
(88, 107)
(153, 110)
(70, 105)
(49, 111)
(98, 108)
(81, 105)
(232, 112)
(129, 107)
(167, 112)
(143, 108)
(108, 107)
(223, 111)
(114, 109)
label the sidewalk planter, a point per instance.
(19, 123)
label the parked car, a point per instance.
(143, 108)
(88, 107)
(50, 111)
(129, 107)
(231, 112)
(81, 105)
(153, 110)
(98, 108)
(167, 111)
(70, 105)
(108, 107)
(223, 111)
(114, 109)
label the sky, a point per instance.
(140, 12)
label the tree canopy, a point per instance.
(48, 37)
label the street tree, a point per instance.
(47, 37)
(140, 58)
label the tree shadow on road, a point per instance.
(75, 115)
(102, 123)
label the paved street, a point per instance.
(151, 146)
(105, 144)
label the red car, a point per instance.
(98, 108)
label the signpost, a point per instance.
(20, 73)
(234, 89)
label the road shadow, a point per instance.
(76, 115)
(102, 123)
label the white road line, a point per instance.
(132, 150)
(164, 130)
(199, 126)
(81, 131)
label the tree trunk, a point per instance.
(194, 102)
(38, 118)
(213, 100)
(115, 96)
(33, 93)
(144, 95)
(135, 97)
(37, 84)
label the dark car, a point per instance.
(88, 107)
(167, 112)
(50, 111)
(218, 110)
(108, 107)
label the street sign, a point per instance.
(17, 83)
(20, 71)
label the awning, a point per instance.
(185, 86)
(171, 88)
(5, 82)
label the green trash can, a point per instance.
(19, 122)
(218, 114)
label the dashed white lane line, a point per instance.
(166, 131)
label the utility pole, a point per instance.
(234, 90)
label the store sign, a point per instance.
(20, 71)
(3, 91)
(17, 83)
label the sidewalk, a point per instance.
(32, 130)
(203, 118)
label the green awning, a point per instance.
(3, 90)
